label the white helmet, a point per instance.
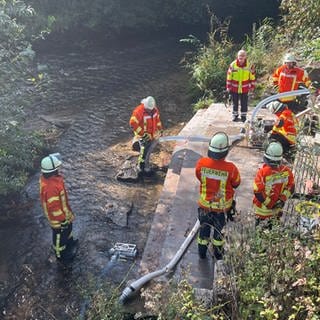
(218, 146)
(275, 106)
(149, 103)
(274, 152)
(50, 163)
(289, 57)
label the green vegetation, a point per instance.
(208, 66)
(115, 16)
(297, 32)
(18, 149)
(279, 278)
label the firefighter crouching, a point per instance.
(285, 129)
(54, 200)
(273, 185)
(218, 180)
(146, 125)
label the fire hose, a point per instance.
(138, 284)
(275, 97)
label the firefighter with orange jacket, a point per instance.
(285, 128)
(146, 125)
(218, 180)
(55, 203)
(289, 77)
(240, 80)
(273, 185)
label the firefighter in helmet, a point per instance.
(55, 203)
(285, 129)
(146, 125)
(288, 77)
(273, 185)
(218, 180)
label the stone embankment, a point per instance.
(176, 212)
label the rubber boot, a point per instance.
(218, 253)
(202, 251)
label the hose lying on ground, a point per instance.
(138, 284)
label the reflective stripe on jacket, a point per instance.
(290, 126)
(54, 200)
(218, 179)
(240, 79)
(143, 122)
(289, 79)
(272, 184)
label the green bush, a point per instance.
(300, 20)
(277, 274)
(18, 149)
(209, 64)
(18, 153)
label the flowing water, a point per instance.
(89, 96)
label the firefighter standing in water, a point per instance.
(240, 80)
(146, 125)
(285, 129)
(273, 185)
(218, 180)
(54, 200)
(289, 77)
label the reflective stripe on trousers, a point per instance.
(60, 240)
(217, 221)
(144, 147)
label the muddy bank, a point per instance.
(87, 103)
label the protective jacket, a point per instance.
(240, 78)
(286, 125)
(54, 200)
(289, 79)
(218, 179)
(271, 185)
(143, 122)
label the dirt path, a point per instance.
(90, 97)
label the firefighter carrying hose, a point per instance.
(146, 125)
(284, 129)
(273, 185)
(218, 180)
(54, 200)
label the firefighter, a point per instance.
(218, 180)
(54, 200)
(146, 125)
(289, 77)
(284, 129)
(240, 80)
(273, 185)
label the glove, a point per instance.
(202, 216)
(279, 204)
(229, 95)
(232, 212)
(146, 137)
(64, 225)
